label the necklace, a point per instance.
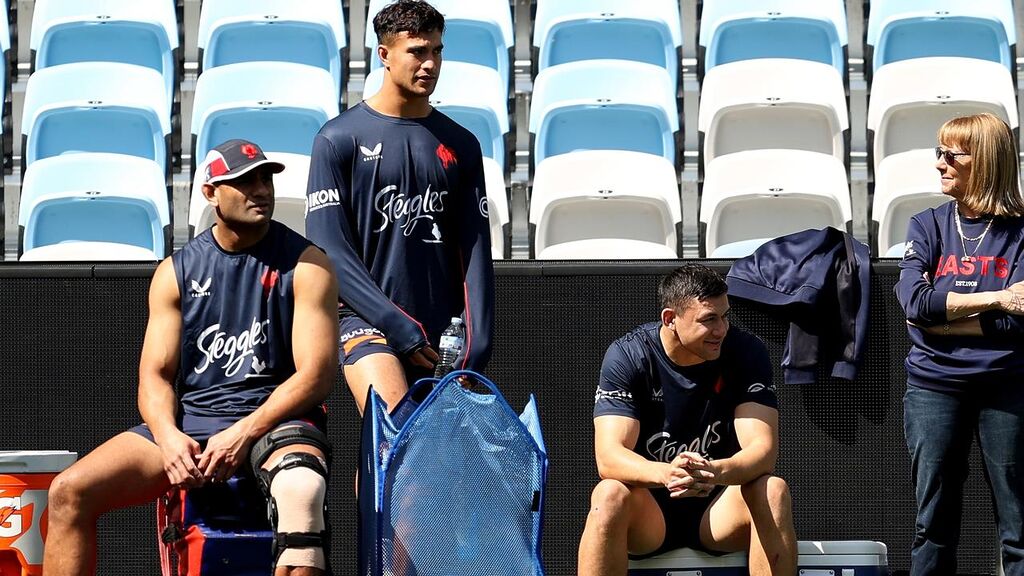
(965, 239)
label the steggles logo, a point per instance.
(662, 447)
(406, 211)
(216, 345)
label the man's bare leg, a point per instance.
(124, 471)
(756, 517)
(621, 520)
(382, 371)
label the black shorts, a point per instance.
(682, 521)
(357, 339)
(201, 428)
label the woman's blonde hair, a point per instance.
(993, 187)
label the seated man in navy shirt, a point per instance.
(243, 317)
(686, 438)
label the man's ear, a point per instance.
(668, 317)
(209, 192)
(382, 53)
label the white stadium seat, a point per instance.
(773, 103)
(764, 194)
(604, 198)
(911, 99)
(905, 184)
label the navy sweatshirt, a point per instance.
(820, 282)
(951, 363)
(399, 206)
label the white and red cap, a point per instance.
(235, 158)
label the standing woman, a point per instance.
(960, 287)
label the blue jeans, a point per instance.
(939, 428)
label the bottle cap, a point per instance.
(456, 320)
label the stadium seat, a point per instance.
(140, 32)
(603, 105)
(289, 194)
(911, 99)
(904, 29)
(574, 30)
(477, 32)
(605, 204)
(77, 251)
(773, 103)
(96, 107)
(733, 30)
(95, 197)
(764, 194)
(481, 110)
(310, 32)
(497, 209)
(896, 251)
(905, 184)
(278, 105)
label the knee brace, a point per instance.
(298, 511)
(296, 488)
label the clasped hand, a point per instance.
(690, 475)
(188, 466)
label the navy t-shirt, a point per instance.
(683, 408)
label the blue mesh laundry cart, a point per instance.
(451, 482)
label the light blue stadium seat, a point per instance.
(905, 29)
(480, 110)
(310, 32)
(141, 32)
(278, 105)
(95, 197)
(733, 30)
(603, 105)
(573, 30)
(96, 107)
(477, 32)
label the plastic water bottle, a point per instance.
(452, 340)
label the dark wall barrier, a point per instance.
(70, 338)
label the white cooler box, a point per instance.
(836, 558)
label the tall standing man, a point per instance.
(686, 438)
(396, 198)
(243, 316)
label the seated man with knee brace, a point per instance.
(686, 438)
(243, 317)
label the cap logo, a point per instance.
(250, 151)
(217, 167)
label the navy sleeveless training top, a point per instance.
(236, 310)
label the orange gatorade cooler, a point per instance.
(25, 478)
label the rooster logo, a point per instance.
(201, 290)
(257, 366)
(446, 156)
(250, 151)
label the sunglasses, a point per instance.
(950, 156)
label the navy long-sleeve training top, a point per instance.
(933, 266)
(399, 206)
